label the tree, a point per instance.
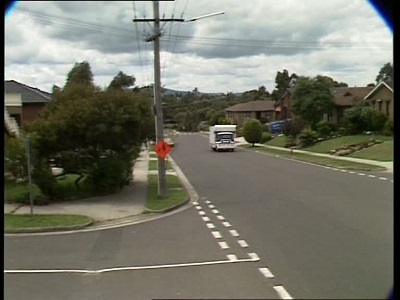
(121, 81)
(312, 98)
(385, 74)
(252, 131)
(81, 74)
(283, 81)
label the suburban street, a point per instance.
(264, 227)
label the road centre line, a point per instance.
(210, 225)
(201, 213)
(211, 206)
(220, 217)
(282, 292)
(243, 243)
(233, 232)
(226, 224)
(83, 271)
(205, 219)
(216, 234)
(215, 211)
(266, 272)
(198, 207)
(224, 245)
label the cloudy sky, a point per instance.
(238, 51)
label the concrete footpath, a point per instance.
(128, 206)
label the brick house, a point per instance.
(263, 110)
(381, 98)
(344, 98)
(22, 103)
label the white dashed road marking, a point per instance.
(198, 207)
(254, 256)
(233, 232)
(282, 292)
(201, 213)
(211, 206)
(210, 225)
(361, 174)
(215, 211)
(383, 178)
(216, 234)
(205, 219)
(220, 217)
(243, 243)
(224, 245)
(226, 224)
(266, 272)
(232, 257)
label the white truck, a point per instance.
(222, 137)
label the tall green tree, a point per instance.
(81, 74)
(252, 131)
(283, 81)
(385, 74)
(121, 81)
(312, 98)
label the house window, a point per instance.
(387, 108)
(247, 115)
(379, 105)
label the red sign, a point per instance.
(162, 149)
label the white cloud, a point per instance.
(240, 50)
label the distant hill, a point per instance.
(167, 92)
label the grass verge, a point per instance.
(337, 163)
(153, 165)
(177, 194)
(380, 152)
(24, 221)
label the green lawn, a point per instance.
(337, 163)
(338, 142)
(16, 221)
(153, 165)
(380, 152)
(19, 192)
(177, 194)
(278, 141)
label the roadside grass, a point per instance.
(19, 192)
(379, 152)
(342, 141)
(331, 162)
(153, 165)
(176, 196)
(23, 221)
(65, 190)
(277, 141)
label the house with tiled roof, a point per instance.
(381, 99)
(22, 104)
(262, 110)
(344, 98)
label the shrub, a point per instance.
(379, 120)
(308, 137)
(108, 175)
(15, 158)
(388, 129)
(44, 179)
(252, 131)
(325, 129)
(265, 137)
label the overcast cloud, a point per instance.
(234, 52)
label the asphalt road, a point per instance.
(323, 233)
(176, 257)
(292, 228)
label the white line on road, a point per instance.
(232, 257)
(224, 245)
(216, 234)
(343, 171)
(192, 264)
(243, 243)
(253, 256)
(383, 178)
(372, 176)
(211, 206)
(220, 217)
(210, 225)
(201, 213)
(361, 174)
(226, 224)
(266, 272)
(233, 232)
(198, 207)
(215, 211)
(208, 201)
(195, 203)
(282, 292)
(352, 172)
(205, 219)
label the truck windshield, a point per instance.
(224, 136)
